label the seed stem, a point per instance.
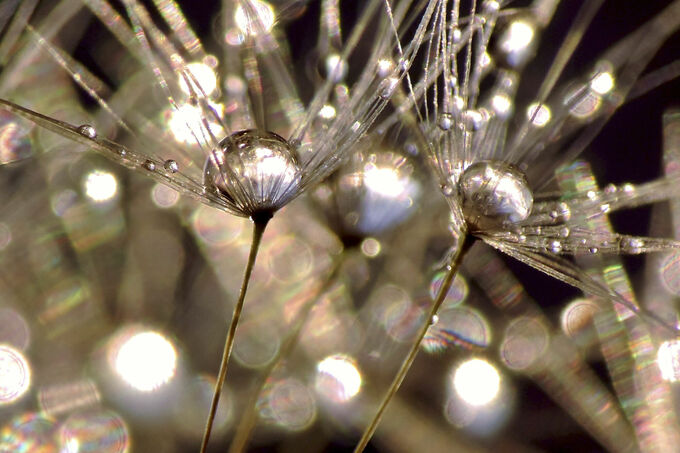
(259, 225)
(465, 242)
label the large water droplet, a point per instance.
(256, 170)
(494, 193)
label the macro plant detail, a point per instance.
(397, 122)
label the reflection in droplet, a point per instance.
(94, 432)
(525, 341)
(164, 196)
(461, 326)
(194, 402)
(668, 359)
(31, 432)
(57, 399)
(577, 316)
(477, 382)
(15, 375)
(257, 18)
(100, 186)
(670, 272)
(457, 292)
(144, 359)
(14, 329)
(14, 139)
(338, 378)
(289, 404)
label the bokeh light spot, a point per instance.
(100, 186)
(15, 375)
(338, 378)
(145, 360)
(477, 382)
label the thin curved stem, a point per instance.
(259, 226)
(456, 260)
(249, 418)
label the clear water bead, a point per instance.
(493, 193)
(149, 165)
(87, 131)
(171, 166)
(255, 170)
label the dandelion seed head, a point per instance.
(254, 170)
(493, 193)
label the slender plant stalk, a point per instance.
(456, 260)
(259, 226)
(249, 418)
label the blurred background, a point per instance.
(115, 291)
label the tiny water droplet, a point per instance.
(445, 121)
(456, 35)
(87, 131)
(149, 165)
(171, 166)
(555, 246)
(434, 319)
(387, 86)
(522, 238)
(632, 245)
(447, 189)
(472, 120)
(593, 250)
(610, 189)
(564, 232)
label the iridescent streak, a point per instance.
(560, 370)
(626, 342)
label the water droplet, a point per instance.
(171, 166)
(632, 245)
(149, 165)
(472, 120)
(555, 246)
(434, 320)
(387, 87)
(447, 189)
(564, 232)
(610, 189)
(605, 208)
(456, 35)
(494, 192)
(522, 238)
(593, 250)
(262, 171)
(445, 121)
(87, 131)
